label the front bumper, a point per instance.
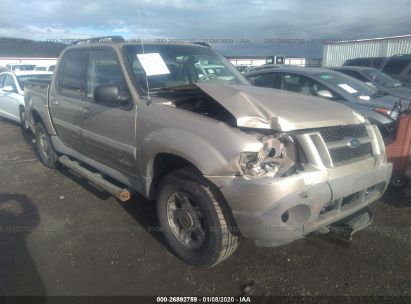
(274, 212)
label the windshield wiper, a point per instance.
(179, 88)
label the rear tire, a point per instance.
(23, 120)
(47, 154)
(193, 221)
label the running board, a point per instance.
(122, 194)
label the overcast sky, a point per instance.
(248, 23)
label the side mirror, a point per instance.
(110, 93)
(325, 94)
(8, 89)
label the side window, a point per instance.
(10, 82)
(71, 75)
(297, 83)
(318, 89)
(266, 80)
(395, 66)
(103, 69)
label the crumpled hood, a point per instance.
(264, 108)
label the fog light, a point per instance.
(285, 216)
(296, 216)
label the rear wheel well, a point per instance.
(163, 164)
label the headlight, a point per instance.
(275, 157)
(392, 114)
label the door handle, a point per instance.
(85, 111)
(54, 102)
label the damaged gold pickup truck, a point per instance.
(178, 124)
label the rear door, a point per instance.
(109, 129)
(66, 104)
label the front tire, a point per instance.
(45, 148)
(193, 221)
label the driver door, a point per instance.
(108, 129)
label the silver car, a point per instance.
(12, 93)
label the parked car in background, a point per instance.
(49, 68)
(20, 67)
(373, 62)
(268, 66)
(3, 69)
(397, 66)
(222, 158)
(378, 80)
(12, 93)
(337, 87)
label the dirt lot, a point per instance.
(61, 236)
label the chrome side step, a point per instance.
(122, 194)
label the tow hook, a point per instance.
(348, 226)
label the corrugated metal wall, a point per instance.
(335, 54)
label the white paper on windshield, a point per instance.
(347, 88)
(153, 64)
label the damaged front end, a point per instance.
(280, 155)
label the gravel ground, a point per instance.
(61, 236)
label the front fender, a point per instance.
(187, 145)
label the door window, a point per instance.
(297, 83)
(103, 69)
(267, 80)
(71, 76)
(10, 83)
(304, 85)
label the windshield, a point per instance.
(184, 65)
(347, 84)
(24, 78)
(382, 79)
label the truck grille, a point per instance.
(341, 132)
(341, 144)
(347, 153)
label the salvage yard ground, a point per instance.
(61, 236)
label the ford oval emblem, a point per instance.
(354, 143)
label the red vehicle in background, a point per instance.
(399, 150)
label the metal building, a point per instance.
(336, 53)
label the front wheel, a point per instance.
(45, 149)
(193, 221)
